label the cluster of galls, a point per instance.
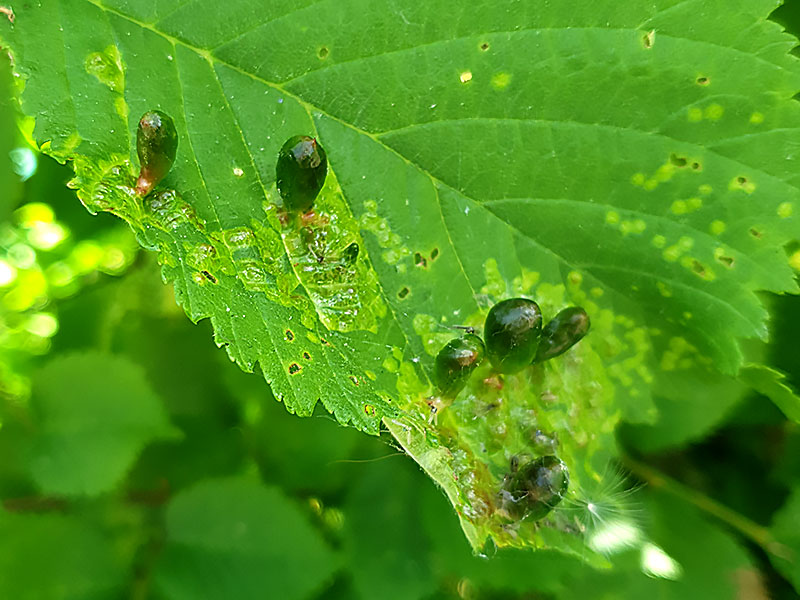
(516, 339)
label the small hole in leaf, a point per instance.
(741, 180)
(698, 268)
(306, 355)
(755, 233)
(420, 260)
(324, 341)
(289, 335)
(484, 46)
(435, 254)
(209, 276)
(703, 81)
(322, 53)
(726, 260)
(369, 409)
(697, 166)
(294, 368)
(678, 161)
(648, 39)
(403, 293)
(354, 379)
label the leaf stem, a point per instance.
(756, 533)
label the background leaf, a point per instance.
(235, 537)
(55, 556)
(94, 414)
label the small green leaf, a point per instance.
(94, 413)
(770, 382)
(235, 538)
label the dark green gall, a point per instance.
(456, 362)
(565, 330)
(350, 253)
(156, 145)
(536, 488)
(300, 172)
(512, 331)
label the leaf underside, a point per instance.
(633, 158)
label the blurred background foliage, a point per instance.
(137, 462)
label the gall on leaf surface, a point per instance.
(635, 159)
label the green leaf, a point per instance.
(635, 159)
(770, 383)
(235, 538)
(55, 556)
(786, 530)
(394, 564)
(93, 415)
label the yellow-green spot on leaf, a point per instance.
(785, 210)
(714, 112)
(679, 207)
(687, 315)
(495, 284)
(756, 118)
(107, 67)
(638, 179)
(575, 278)
(717, 227)
(672, 253)
(695, 114)
(612, 217)
(390, 364)
(650, 184)
(742, 183)
(794, 260)
(679, 354)
(379, 227)
(465, 76)
(664, 172)
(432, 335)
(636, 226)
(596, 292)
(705, 189)
(523, 284)
(659, 241)
(501, 80)
(663, 289)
